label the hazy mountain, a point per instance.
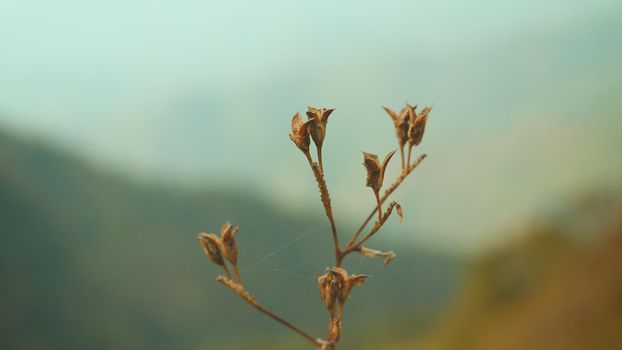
(92, 260)
(556, 287)
(516, 89)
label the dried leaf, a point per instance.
(389, 257)
(400, 213)
(373, 253)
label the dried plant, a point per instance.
(335, 284)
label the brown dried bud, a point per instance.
(375, 170)
(300, 133)
(416, 124)
(211, 245)
(329, 285)
(336, 285)
(401, 124)
(318, 118)
(229, 245)
(341, 276)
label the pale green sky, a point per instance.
(526, 97)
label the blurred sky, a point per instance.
(526, 95)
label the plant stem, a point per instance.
(240, 291)
(379, 205)
(287, 324)
(402, 155)
(309, 159)
(237, 273)
(386, 195)
(224, 267)
(325, 197)
(319, 158)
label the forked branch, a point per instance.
(239, 290)
(386, 195)
(325, 197)
(335, 284)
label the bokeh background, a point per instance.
(126, 127)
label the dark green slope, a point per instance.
(89, 260)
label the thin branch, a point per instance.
(319, 158)
(402, 155)
(325, 197)
(386, 195)
(239, 290)
(379, 205)
(309, 159)
(383, 218)
(224, 267)
(237, 274)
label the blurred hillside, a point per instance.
(558, 287)
(94, 261)
(526, 96)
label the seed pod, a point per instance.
(211, 245)
(300, 133)
(400, 121)
(319, 119)
(328, 292)
(340, 276)
(336, 285)
(229, 244)
(416, 125)
(375, 170)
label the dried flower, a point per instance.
(330, 285)
(401, 124)
(400, 121)
(212, 247)
(229, 245)
(375, 174)
(416, 124)
(300, 133)
(318, 118)
(375, 170)
(336, 284)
